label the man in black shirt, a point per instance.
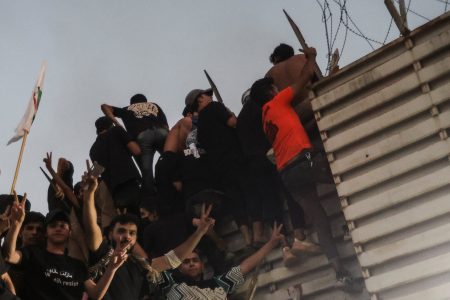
(217, 135)
(113, 149)
(49, 272)
(147, 124)
(31, 234)
(130, 281)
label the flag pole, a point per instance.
(19, 161)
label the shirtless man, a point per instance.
(287, 67)
(167, 168)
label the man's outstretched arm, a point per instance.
(307, 74)
(108, 111)
(68, 192)
(92, 230)
(251, 262)
(16, 218)
(168, 261)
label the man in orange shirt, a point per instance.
(298, 165)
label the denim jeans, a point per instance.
(150, 141)
(300, 178)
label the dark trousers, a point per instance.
(300, 178)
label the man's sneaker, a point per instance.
(348, 284)
(289, 259)
(305, 247)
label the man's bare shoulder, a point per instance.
(185, 122)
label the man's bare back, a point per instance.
(175, 141)
(284, 74)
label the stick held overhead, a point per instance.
(302, 41)
(214, 87)
(400, 20)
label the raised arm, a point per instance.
(17, 216)
(92, 230)
(99, 289)
(68, 192)
(251, 262)
(307, 73)
(163, 262)
(108, 111)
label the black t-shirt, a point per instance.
(51, 276)
(110, 150)
(250, 130)
(141, 116)
(166, 234)
(195, 175)
(129, 281)
(216, 137)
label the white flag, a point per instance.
(30, 113)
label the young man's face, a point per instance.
(124, 234)
(58, 232)
(32, 234)
(203, 100)
(192, 266)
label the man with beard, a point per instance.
(49, 272)
(130, 281)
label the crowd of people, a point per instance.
(126, 231)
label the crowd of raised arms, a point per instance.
(126, 231)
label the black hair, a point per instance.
(281, 53)
(33, 217)
(260, 92)
(103, 123)
(194, 106)
(138, 98)
(6, 200)
(124, 219)
(188, 109)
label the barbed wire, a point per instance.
(347, 22)
(388, 31)
(415, 13)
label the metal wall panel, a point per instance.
(384, 121)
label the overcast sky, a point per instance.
(105, 51)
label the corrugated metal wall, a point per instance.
(384, 121)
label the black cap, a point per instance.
(56, 215)
(193, 95)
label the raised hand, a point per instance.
(276, 236)
(119, 256)
(310, 53)
(48, 161)
(17, 215)
(205, 222)
(88, 180)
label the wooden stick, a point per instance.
(397, 18)
(403, 12)
(302, 41)
(214, 87)
(19, 161)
